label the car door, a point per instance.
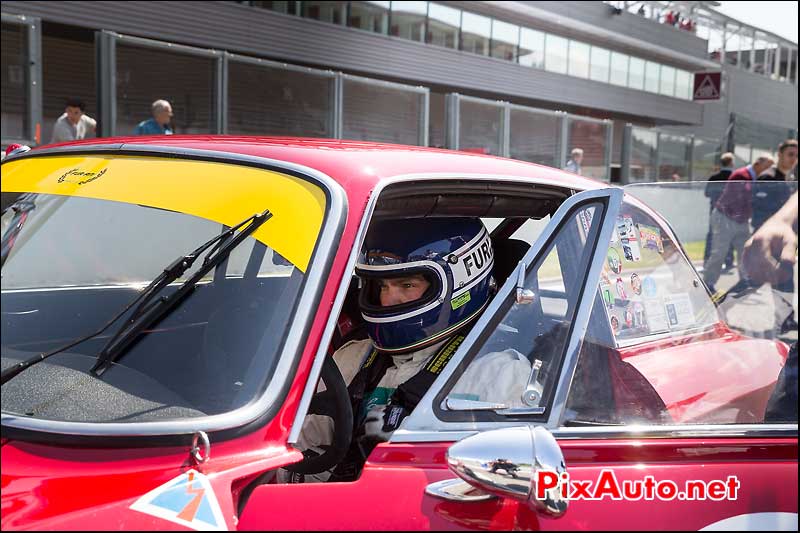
(391, 491)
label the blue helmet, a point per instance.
(453, 254)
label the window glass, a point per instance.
(667, 81)
(644, 145)
(67, 62)
(601, 61)
(408, 20)
(673, 158)
(376, 112)
(333, 12)
(267, 100)
(619, 69)
(651, 77)
(15, 85)
(505, 37)
(475, 33)
(556, 54)
(522, 335)
(480, 127)
(370, 16)
(531, 48)
(535, 136)
(636, 73)
(187, 82)
(290, 8)
(443, 25)
(674, 356)
(683, 85)
(591, 136)
(579, 59)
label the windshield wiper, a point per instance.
(22, 208)
(145, 315)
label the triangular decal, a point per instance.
(188, 500)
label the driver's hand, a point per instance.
(382, 420)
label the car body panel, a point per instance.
(60, 485)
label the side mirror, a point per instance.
(510, 463)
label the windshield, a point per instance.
(74, 262)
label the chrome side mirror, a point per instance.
(511, 463)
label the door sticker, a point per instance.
(188, 500)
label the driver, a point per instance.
(424, 282)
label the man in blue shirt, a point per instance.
(159, 124)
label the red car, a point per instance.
(147, 388)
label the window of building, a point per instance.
(505, 38)
(15, 82)
(619, 69)
(651, 76)
(579, 59)
(636, 73)
(531, 48)
(408, 20)
(443, 25)
(667, 81)
(290, 8)
(683, 84)
(556, 49)
(600, 64)
(370, 16)
(333, 12)
(475, 33)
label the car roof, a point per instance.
(356, 165)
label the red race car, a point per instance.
(175, 312)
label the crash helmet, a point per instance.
(453, 254)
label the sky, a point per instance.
(779, 18)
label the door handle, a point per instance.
(457, 490)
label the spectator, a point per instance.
(769, 198)
(713, 192)
(769, 256)
(160, 123)
(731, 216)
(770, 193)
(73, 124)
(574, 163)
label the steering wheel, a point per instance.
(334, 402)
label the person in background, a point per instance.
(160, 123)
(716, 182)
(730, 219)
(73, 125)
(574, 163)
(770, 256)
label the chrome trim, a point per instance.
(581, 320)
(610, 432)
(423, 416)
(200, 438)
(548, 457)
(460, 404)
(327, 335)
(524, 296)
(533, 394)
(324, 253)
(457, 490)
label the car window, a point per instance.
(672, 354)
(522, 336)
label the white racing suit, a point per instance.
(493, 377)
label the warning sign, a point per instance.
(707, 85)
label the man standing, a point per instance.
(160, 123)
(574, 163)
(716, 182)
(73, 124)
(731, 216)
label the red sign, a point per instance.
(707, 86)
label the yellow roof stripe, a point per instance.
(222, 192)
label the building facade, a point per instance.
(529, 80)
